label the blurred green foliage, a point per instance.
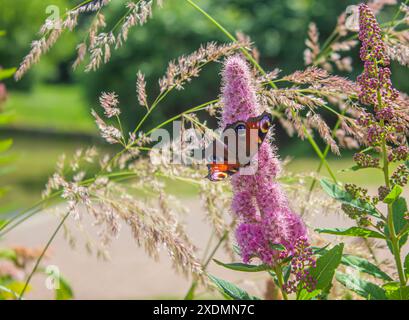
(278, 29)
(21, 20)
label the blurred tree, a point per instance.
(278, 28)
(22, 20)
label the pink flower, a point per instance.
(262, 208)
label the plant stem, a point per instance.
(392, 233)
(280, 280)
(42, 254)
(320, 155)
(231, 37)
(273, 85)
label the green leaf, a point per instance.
(352, 232)
(2, 33)
(364, 265)
(323, 273)
(64, 292)
(287, 272)
(5, 144)
(12, 289)
(7, 73)
(231, 290)
(318, 250)
(395, 292)
(406, 265)
(7, 293)
(336, 192)
(361, 265)
(364, 288)
(393, 195)
(277, 246)
(242, 266)
(399, 208)
(8, 254)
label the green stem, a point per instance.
(42, 255)
(392, 232)
(320, 155)
(231, 37)
(194, 109)
(280, 280)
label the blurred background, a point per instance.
(49, 109)
(51, 104)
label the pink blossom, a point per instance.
(259, 203)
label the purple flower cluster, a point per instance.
(376, 78)
(263, 212)
(301, 265)
(388, 121)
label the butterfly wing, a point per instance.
(225, 160)
(249, 136)
(218, 172)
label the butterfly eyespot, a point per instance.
(265, 124)
(221, 175)
(241, 130)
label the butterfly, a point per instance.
(243, 141)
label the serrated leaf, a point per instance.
(393, 195)
(323, 273)
(336, 192)
(243, 267)
(364, 288)
(352, 232)
(231, 290)
(364, 265)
